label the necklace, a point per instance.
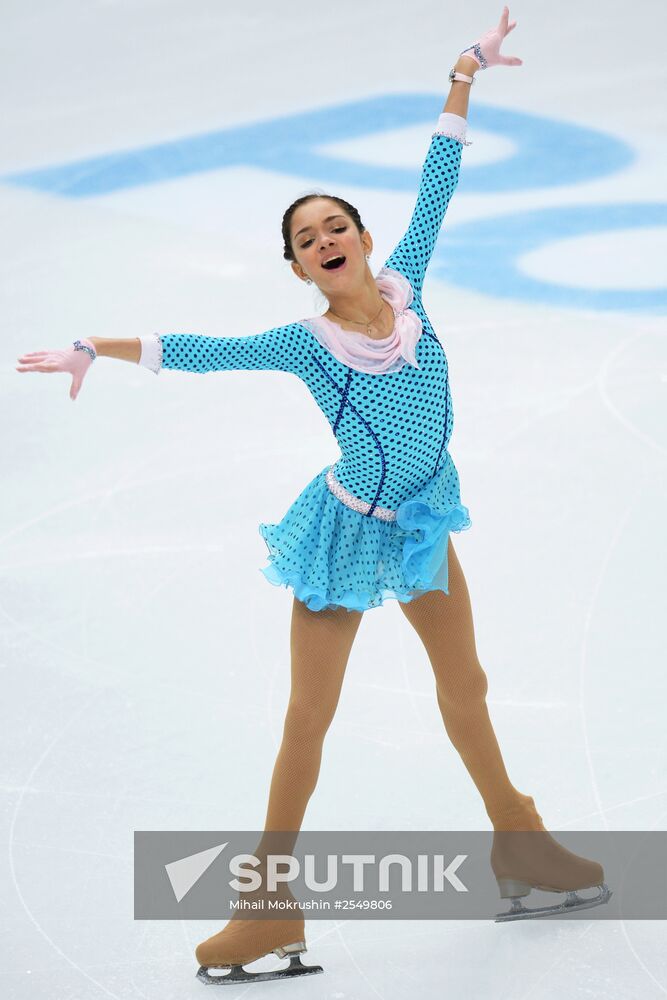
(367, 323)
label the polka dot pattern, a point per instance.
(392, 429)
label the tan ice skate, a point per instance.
(241, 942)
(529, 858)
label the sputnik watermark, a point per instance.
(431, 874)
(392, 874)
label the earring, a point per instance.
(308, 281)
(368, 256)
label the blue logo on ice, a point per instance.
(482, 255)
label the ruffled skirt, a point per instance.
(333, 556)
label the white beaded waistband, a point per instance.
(384, 513)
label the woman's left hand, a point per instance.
(486, 50)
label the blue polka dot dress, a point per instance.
(374, 525)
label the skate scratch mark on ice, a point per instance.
(630, 945)
(640, 962)
(602, 380)
(136, 986)
(315, 937)
(391, 728)
(576, 820)
(145, 598)
(356, 964)
(504, 702)
(82, 889)
(106, 492)
(549, 407)
(89, 498)
(584, 649)
(393, 690)
(518, 703)
(72, 557)
(88, 796)
(44, 515)
(85, 605)
(40, 760)
(76, 851)
(47, 643)
(560, 957)
(487, 406)
(639, 798)
(381, 743)
(583, 660)
(402, 970)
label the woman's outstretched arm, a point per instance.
(282, 348)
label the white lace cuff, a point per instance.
(151, 353)
(454, 126)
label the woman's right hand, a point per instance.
(72, 360)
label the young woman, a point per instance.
(377, 523)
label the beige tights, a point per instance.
(320, 648)
(445, 626)
(321, 642)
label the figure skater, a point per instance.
(374, 525)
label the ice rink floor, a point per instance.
(149, 151)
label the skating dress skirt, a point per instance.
(374, 524)
(331, 554)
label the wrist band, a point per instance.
(78, 346)
(454, 74)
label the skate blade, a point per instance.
(571, 902)
(239, 975)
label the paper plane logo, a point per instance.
(186, 871)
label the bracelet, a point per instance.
(78, 346)
(455, 75)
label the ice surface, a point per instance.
(145, 658)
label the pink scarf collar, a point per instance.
(358, 350)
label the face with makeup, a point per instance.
(321, 234)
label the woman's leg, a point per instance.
(320, 643)
(444, 624)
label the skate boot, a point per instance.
(241, 942)
(525, 856)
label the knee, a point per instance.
(306, 723)
(467, 687)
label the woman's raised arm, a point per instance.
(440, 172)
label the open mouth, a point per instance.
(334, 264)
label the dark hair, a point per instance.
(288, 253)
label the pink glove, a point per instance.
(76, 360)
(486, 51)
